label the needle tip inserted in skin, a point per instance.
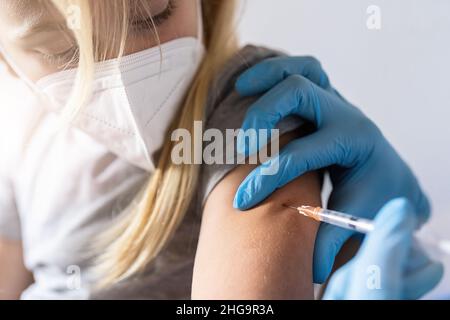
(291, 207)
(305, 210)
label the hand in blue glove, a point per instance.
(390, 264)
(365, 170)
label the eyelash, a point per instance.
(64, 59)
(145, 25)
(70, 57)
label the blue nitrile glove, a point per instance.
(365, 170)
(389, 264)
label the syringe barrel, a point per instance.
(346, 221)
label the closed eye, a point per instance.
(150, 23)
(68, 58)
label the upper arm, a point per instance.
(14, 277)
(264, 253)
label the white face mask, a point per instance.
(134, 99)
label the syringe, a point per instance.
(336, 218)
(347, 221)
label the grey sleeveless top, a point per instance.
(57, 236)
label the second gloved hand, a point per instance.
(389, 264)
(365, 170)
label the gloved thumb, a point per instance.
(394, 227)
(388, 247)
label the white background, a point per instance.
(399, 75)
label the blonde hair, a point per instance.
(140, 234)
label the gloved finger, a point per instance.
(422, 281)
(421, 273)
(310, 153)
(328, 243)
(266, 74)
(336, 287)
(295, 95)
(392, 237)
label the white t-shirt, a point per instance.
(59, 189)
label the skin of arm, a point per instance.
(14, 277)
(264, 253)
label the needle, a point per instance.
(336, 218)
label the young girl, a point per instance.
(98, 209)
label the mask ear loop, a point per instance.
(34, 89)
(18, 71)
(42, 97)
